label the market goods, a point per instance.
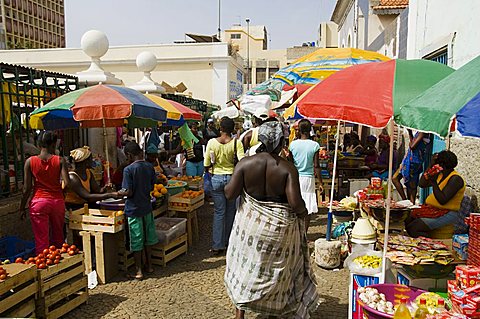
(176, 184)
(431, 301)
(402, 311)
(349, 203)
(422, 310)
(375, 300)
(50, 256)
(412, 251)
(368, 261)
(191, 194)
(3, 274)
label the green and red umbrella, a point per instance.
(455, 99)
(370, 94)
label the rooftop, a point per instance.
(391, 4)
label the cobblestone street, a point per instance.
(192, 287)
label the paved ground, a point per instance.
(192, 287)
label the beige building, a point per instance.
(252, 44)
(210, 71)
(32, 24)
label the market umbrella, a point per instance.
(99, 106)
(176, 111)
(456, 97)
(174, 116)
(370, 94)
(315, 67)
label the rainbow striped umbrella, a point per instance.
(315, 67)
(98, 106)
(177, 113)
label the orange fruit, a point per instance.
(163, 191)
(157, 194)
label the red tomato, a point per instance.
(65, 245)
(71, 253)
(3, 276)
(49, 262)
(31, 259)
(42, 266)
(56, 261)
(38, 262)
(40, 256)
(53, 248)
(73, 247)
(46, 251)
(2, 271)
(19, 260)
(63, 250)
(58, 257)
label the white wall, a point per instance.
(436, 23)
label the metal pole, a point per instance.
(389, 202)
(248, 54)
(332, 191)
(219, 29)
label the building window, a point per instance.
(261, 75)
(440, 56)
(272, 71)
(235, 36)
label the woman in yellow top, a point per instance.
(220, 157)
(448, 190)
(82, 187)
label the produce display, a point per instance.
(187, 178)
(49, 256)
(159, 190)
(412, 251)
(375, 300)
(368, 261)
(176, 184)
(191, 194)
(3, 274)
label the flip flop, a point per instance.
(135, 277)
(216, 252)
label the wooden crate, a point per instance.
(195, 185)
(17, 292)
(100, 251)
(162, 210)
(191, 203)
(124, 256)
(162, 254)
(96, 220)
(62, 287)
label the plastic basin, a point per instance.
(173, 190)
(393, 293)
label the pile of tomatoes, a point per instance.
(3, 273)
(49, 256)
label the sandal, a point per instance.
(216, 252)
(135, 277)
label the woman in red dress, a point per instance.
(47, 205)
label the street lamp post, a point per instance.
(248, 53)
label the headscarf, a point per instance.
(372, 139)
(270, 135)
(384, 138)
(80, 154)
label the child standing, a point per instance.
(138, 182)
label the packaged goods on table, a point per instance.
(412, 251)
(460, 245)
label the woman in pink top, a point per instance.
(47, 206)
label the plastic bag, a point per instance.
(357, 269)
(207, 183)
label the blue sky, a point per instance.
(126, 22)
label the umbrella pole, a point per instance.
(107, 157)
(332, 190)
(389, 201)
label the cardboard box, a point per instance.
(467, 276)
(460, 245)
(423, 283)
(356, 281)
